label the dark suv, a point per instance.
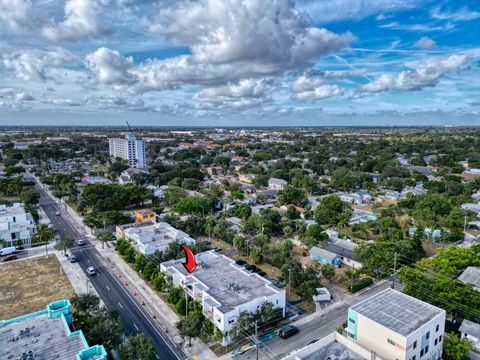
(288, 331)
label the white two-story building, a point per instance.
(224, 289)
(16, 225)
(396, 326)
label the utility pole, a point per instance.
(289, 281)
(256, 338)
(465, 223)
(394, 270)
(186, 303)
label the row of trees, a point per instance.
(101, 325)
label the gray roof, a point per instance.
(397, 311)
(332, 350)
(325, 254)
(46, 338)
(335, 249)
(470, 328)
(471, 275)
(226, 282)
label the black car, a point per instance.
(240, 262)
(255, 269)
(262, 273)
(288, 331)
(250, 267)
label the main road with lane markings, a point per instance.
(110, 289)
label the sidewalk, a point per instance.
(164, 317)
(79, 280)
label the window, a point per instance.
(426, 349)
(277, 301)
(436, 341)
(351, 320)
(390, 341)
(415, 344)
(414, 357)
(428, 335)
(421, 353)
(440, 338)
(438, 327)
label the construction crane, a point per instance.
(129, 128)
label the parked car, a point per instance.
(249, 267)
(288, 331)
(262, 273)
(81, 242)
(72, 258)
(312, 341)
(9, 258)
(91, 271)
(240, 262)
(8, 250)
(217, 249)
(57, 213)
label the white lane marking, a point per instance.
(120, 305)
(136, 327)
(156, 355)
(107, 287)
(88, 260)
(146, 318)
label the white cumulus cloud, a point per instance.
(81, 21)
(427, 75)
(32, 64)
(425, 43)
(230, 41)
(311, 88)
(15, 15)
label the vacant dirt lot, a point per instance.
(29, 285)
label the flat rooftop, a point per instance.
(46, 338)
(227, 283)
(397, 311)
(471, 275)
(333, 350)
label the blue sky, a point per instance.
(235, 62)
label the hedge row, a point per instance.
(360, 284)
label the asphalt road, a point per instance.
(110, 289)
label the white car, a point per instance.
(81, 242)
(91, 271)
(57, 213)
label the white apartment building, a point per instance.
(129, 149)
(16, 225)
(395, 326)
(224, 289)
(148, 237)
(276, 184)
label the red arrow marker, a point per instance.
(190, 263)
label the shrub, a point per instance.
(360, 284)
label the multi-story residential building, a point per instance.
(224, 289)
(46, 334)
(148, 237)
(276, 184)
(129, 149)
(396, 326)
(16, 225)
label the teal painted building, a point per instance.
(46, 334)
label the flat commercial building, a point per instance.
(46, 335)
(224, 289)
(396, 326)
(129, 149)
(148, 237)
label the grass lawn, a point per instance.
(30, 285)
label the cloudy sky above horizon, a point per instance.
(239, 62)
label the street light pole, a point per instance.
(289, 281)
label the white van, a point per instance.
(8, 251)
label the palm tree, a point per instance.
(44, 234)
(105, 236)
